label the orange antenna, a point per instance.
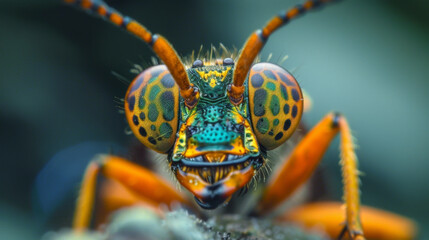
(257, 40)
(159, 44)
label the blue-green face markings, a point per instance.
(284, 92)
(262, 125)
(214, 125)
(259, 100)
(142, 101)
(286, 108)
(274, 105)
(165, 130)
(142, 116)
(276, 122)
(168, 102)
(154, 92)
(271, 86)
(153, 112)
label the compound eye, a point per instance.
(197, 63)
(152, 108)
(276, 104)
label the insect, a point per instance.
(216, 120)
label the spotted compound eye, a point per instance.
(276, 104)
(151, 108)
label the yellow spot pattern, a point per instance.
(214, 77)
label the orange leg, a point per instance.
(143, 186)
(113, 196)
(377, 224)
(304, 160)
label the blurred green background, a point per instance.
(366, 59)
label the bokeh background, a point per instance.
(367, 59)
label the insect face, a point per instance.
(219, 145)
(216, 143)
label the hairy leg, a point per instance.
(303, 161)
